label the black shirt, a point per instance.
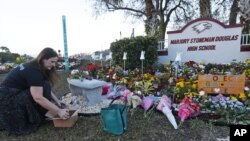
(24, 76)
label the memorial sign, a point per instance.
(228, 84)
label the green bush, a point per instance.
(133, 47)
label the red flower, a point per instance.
(91, 66)
(105, 89)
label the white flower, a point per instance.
(74, 71)
(137, 83)
(246, 89)
(201, 93)
(86, 72)
(114, 76)
(216, 90)
(139, 92)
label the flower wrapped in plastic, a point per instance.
(124, 94)
(164, 106)
(187, 108)
(133, 100)
(116, 91)
(147, 102)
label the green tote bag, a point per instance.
(114, 118)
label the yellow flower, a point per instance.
(233, 98)
(177, 89)
(195, 82)
(181, 84)
(194, 86)
(196, 94)
(247, 61)
(202, 63)
(242, 95)
(191, 94)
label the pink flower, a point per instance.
(184, 113)
(188, 108)
(124, 94)
(147, 102)
(164, 101)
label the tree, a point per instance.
(205, 8)
(5, 49)
(226, 11)
(244, 6)
(156, 14)
(234, 12)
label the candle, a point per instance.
(124, 56)
(110, 55)
(142, 55)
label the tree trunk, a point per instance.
(149, 8)
(162, 29)
(151, 22)
(205, 8)
(233, 12)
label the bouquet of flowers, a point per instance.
(165, 105)
(188, 108)
(79, 74)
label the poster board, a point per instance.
(228, 84)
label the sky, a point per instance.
(27, 26)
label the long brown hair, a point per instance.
(51, 74)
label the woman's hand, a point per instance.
(62, 105)
(63, 113)
(58, 102)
